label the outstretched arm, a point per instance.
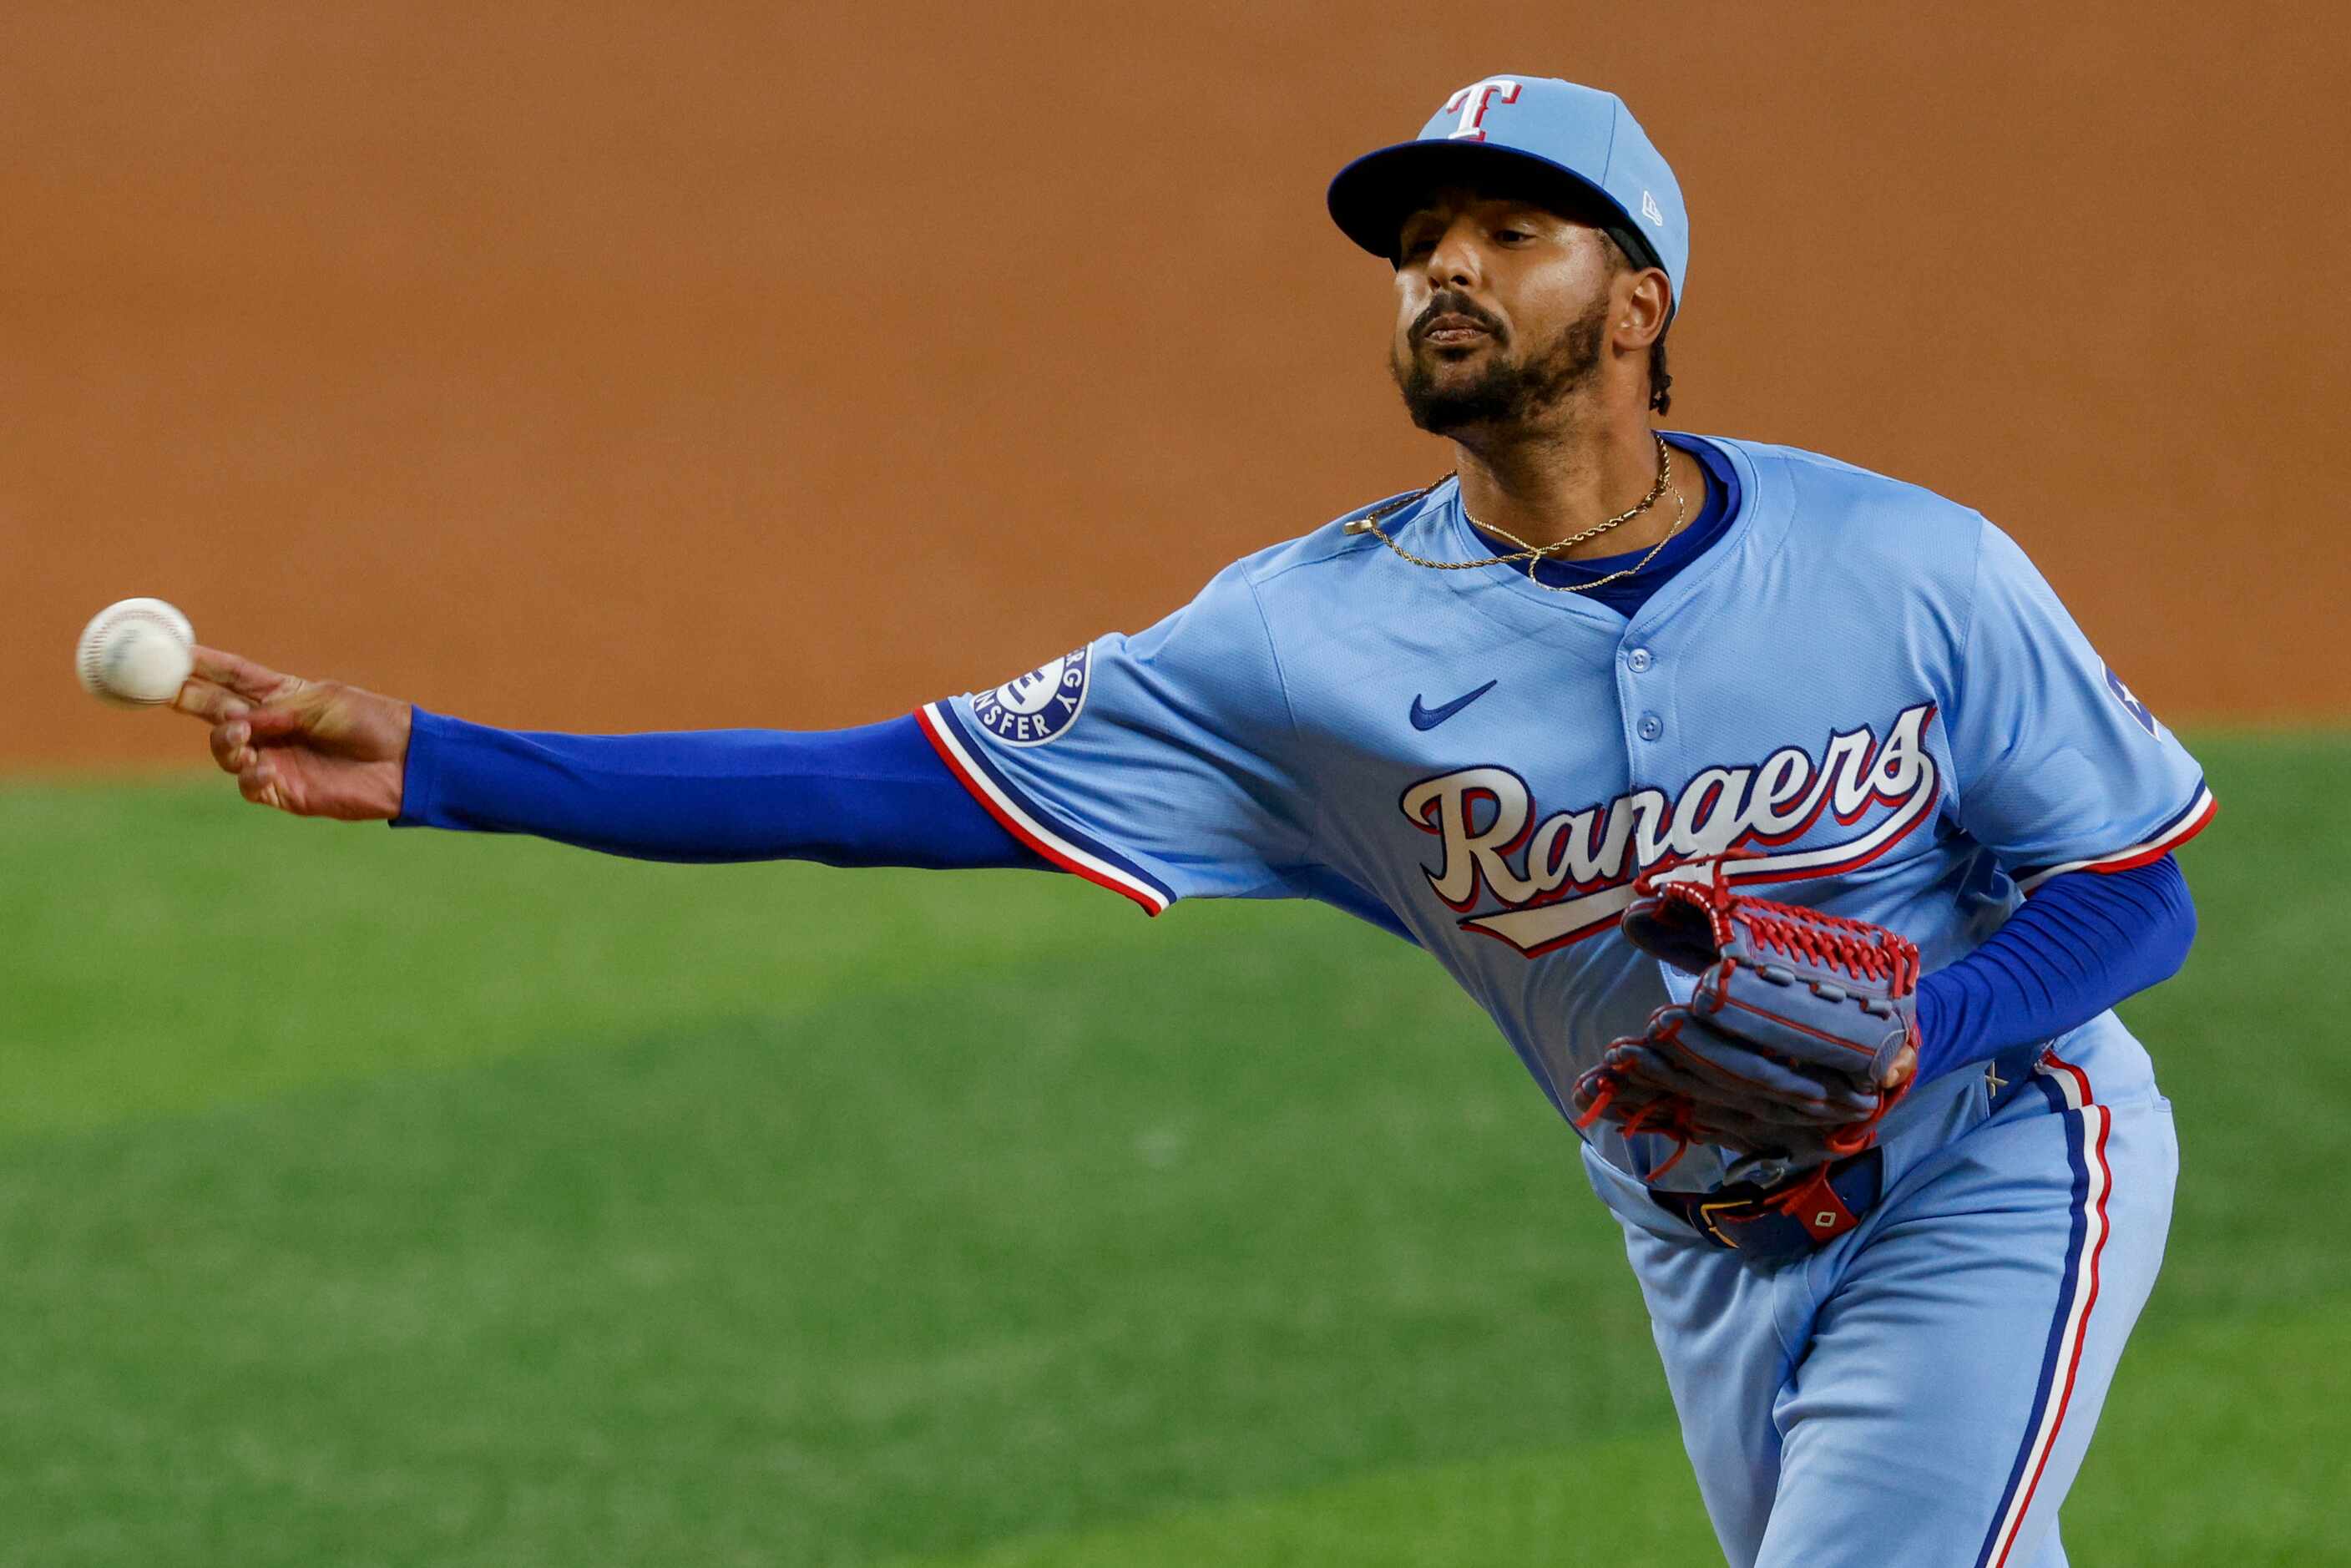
(877, 795)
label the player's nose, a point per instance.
(1453, 261)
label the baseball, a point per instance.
(135, 653)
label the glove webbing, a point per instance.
(1860, 949)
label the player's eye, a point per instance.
(1512, 236)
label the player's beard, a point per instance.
(1507, 390)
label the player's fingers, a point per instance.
(231, 743)
(269, 724)
(263, 785)
(207, 700)
(240, 675)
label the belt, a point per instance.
(1780, 1223)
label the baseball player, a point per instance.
(1777, 813)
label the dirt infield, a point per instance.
(620, 367)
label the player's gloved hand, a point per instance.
(1797, 1039)
(314, 748)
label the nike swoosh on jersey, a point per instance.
(1430, 717)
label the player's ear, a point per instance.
(1644, 301)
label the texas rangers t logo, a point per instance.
(1470, 104)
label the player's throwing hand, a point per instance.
(316, 748)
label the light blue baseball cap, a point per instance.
(1578, 142)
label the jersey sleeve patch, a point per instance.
(1072, 850)
(1034, 708)
(2184, 825)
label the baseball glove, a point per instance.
(1793, 1044)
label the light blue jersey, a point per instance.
(1866, 683)
(1867, 686)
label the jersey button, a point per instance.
(1652, 726)
(1639, 659)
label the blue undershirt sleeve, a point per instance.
(878, 795)
(2083, 942)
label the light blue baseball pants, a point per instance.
(1920, 1392)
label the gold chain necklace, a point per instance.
(1681, 507)
(1530, 554)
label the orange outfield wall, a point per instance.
(595, 366)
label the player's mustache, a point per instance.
(1444, 302)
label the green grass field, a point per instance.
(376, 1198)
